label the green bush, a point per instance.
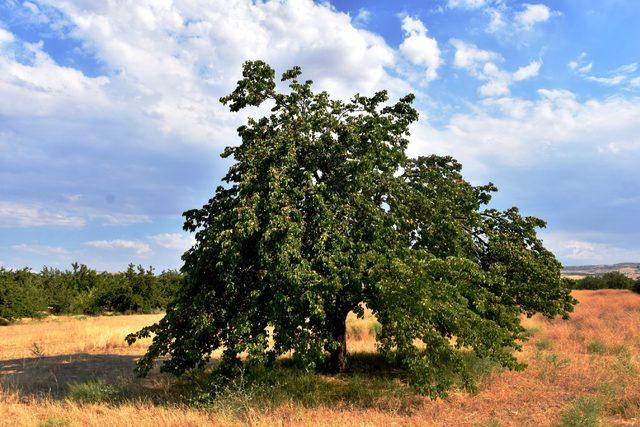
(92, 391)
(82, 290)
(19, 295)
(611, 280)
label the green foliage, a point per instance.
(611, 280)
(24, 293)
(20, 295)
(584, 412)
(323, 213)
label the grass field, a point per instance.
(77, 371)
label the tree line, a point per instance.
(611, 280)
(82, 290)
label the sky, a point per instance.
(110, 124)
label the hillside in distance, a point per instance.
(630, 269)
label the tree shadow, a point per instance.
(370, 382)
(50, 376)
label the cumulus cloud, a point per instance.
(481, 64)
(5, 36)
(533, 14)
(515, 131)
(138, 247)
(470, 57)
(158, 71)
(420, 49)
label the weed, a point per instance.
(531, 331)
(54, 422)
(491, 422)
(544, 343)
(553, 363)
(584, 412)
(36, 350)
(597, 347)
(92, 391)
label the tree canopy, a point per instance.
(323, 213)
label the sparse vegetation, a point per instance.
(584, 412)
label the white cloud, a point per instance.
(45, 88)
(468, 56)
(608, 81)
(123, 219)
(41, 249)
(420, 49)
(158, 71)
(588, 248)
(14, 214)
(176, 241)
(467, 4)
(496, 20)
(503, 17)
(362, 17)
(138, 247)
(517, 132)
(481, 64)
(532, 14)
(5, 36)
(621, 76)
(528, 71)
(165, 64)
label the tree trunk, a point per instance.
(338, 356)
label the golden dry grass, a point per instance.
(593, 355)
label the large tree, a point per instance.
(323, 213)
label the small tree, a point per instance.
(323, 213)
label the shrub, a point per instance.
(83, 290)
(92, 391)
(611, 280)
(584, 412)
(597, 347)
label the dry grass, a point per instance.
(584, 370)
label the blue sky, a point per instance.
(110, 126)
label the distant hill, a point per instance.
(630, 269)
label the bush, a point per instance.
(19, 295)
(83, 290)
(611, 280)
(93, 391)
